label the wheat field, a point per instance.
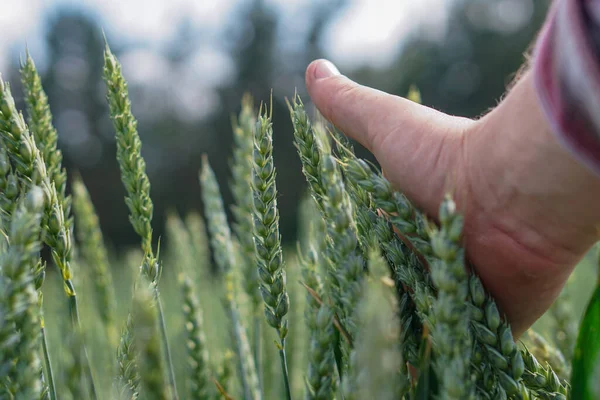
(373, 301)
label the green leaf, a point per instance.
(586, 360)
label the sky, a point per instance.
(363, 33)
(366, 32)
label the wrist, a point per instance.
(531, 208)
(541, 184)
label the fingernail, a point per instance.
(325, 69)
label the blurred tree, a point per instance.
(463, 70)
(466, 69)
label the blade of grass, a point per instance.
(586, 360)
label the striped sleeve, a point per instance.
(566, 67)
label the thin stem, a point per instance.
(167, 350)
(49, 375)
(284, 369)
(74, 310)
(258, 350)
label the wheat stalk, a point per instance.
(267, 238)
(495, 344)
(346, 261)
(378, 345)
(137, 185)
(94, 254)
(365, 212)
(31, 169)
(40, 124)
(224, 372)
(405, 266)
(542, 381)
(545, 353)
(328, 190)
(564, 323)
(198, 374)
(196, 346)
(9, 188)
(241, 188)
(309, 150)
(451, 336)
(147, 340)
(400, 212)
(128, 378)
(222, 246)
(19, 327)
(199, 241)
(321, 380)
(364, 329)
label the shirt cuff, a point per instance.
(566, 71)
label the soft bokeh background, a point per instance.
(188, 63)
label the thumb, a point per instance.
(417, 147)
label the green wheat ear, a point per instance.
(241, 188)
(223, 250)
(451, 337)
(309, 150)
(9, 188)
(20, 324)
(325, 181)
(415, 296)
(242, 210)
(401, 213)
(40, 124)
(45, 136)
(546, 353)
(137, 186)
(497, 361)
(378, 344)
(199, 241)
(147, 344)
(347, 265)
(542, 380)
(565, 324)
(94, 253)
(127, 382)
(267, 239)
(321, 378)
(31, 169)
(131, 163)
(199, 386)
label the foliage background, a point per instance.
(186, 84)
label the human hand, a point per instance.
(531, 209)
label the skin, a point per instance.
(531, 209)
